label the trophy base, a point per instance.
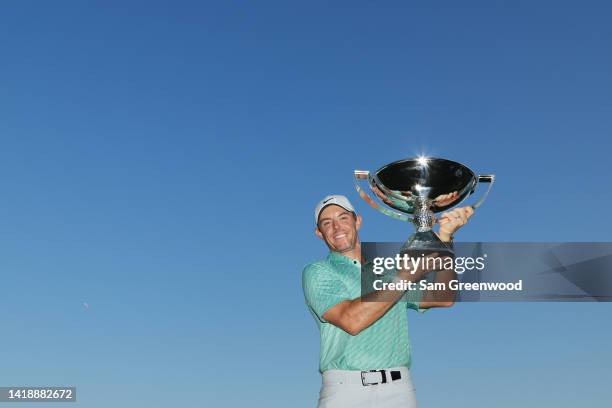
(425, 243)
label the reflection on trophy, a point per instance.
(419, 188)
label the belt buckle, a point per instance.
(382, 373)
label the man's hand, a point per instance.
(451, 221)
(445, 199)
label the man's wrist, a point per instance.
(445, 236)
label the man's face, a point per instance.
(338, 228)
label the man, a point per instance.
(365, 349)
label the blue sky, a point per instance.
(161, 162)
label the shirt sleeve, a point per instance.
(322, 289)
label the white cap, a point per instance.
(340, 200)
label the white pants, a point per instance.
(344, 389)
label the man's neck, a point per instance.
(354, 254)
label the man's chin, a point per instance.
(344, 248)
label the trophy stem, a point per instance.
(424, 239)
(424, 218)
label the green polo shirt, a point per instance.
(382, 345)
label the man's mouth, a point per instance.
(339, 236)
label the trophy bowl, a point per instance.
(419, 188)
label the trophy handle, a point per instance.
(365, 175)
(489, 178)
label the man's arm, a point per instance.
(355, 315)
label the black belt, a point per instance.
(395, 375)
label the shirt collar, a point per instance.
(338, 258)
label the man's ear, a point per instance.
(358, 220)
(318, 233)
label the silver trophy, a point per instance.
(418, 188)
